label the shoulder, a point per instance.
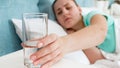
(96, 15)
(93, 15)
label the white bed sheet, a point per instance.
(15, 60)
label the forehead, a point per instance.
(60, 3)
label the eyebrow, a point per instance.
(64, 5)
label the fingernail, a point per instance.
(40, 45)
(33, 58)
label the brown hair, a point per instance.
(117, 1)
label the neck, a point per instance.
(79, 25)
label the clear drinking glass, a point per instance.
(34, 27)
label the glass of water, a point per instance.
(34, 27)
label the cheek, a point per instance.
(60, 20)
(76, 15)
(75, 12)
(77, 19)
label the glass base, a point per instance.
(31, 66)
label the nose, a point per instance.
(65, 12)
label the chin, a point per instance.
(67, 27)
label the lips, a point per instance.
(67, 20)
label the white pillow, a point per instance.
(53, 27)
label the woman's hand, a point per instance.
(52, 51)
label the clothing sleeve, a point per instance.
(88, 17)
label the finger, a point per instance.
(48, 57)
(50, 63)
(47, 40)
(44, 51)
(22, 44)
(31, 43)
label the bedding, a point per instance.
(112, 61)
(115, 9)
(53, 27)
(78, 56)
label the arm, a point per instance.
(88, 37)
(93, 54)
(55, 47)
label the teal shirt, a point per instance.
(109, 43)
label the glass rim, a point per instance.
(41, 14)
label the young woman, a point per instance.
(89, 32)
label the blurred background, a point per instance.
(111, 7)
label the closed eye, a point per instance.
(68, 8)
(60, 12)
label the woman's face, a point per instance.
(67, 12)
